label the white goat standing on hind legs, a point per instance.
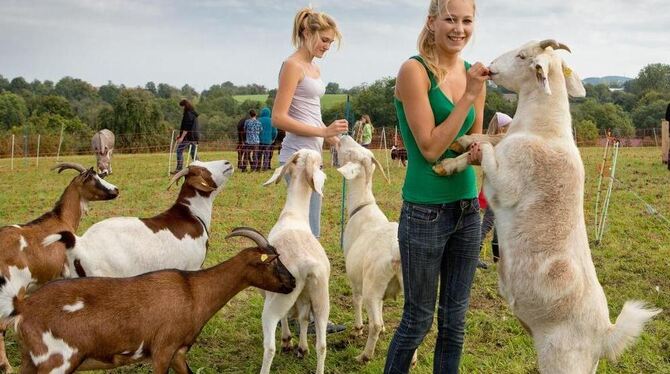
(535, 185)
(371, 246)
(303, 256)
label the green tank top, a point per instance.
(422, 185)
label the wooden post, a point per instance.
(12, 159)
(60, 142)
(39, 138)
(665, 140)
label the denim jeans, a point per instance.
(180, 152)
(314, 209)
(439, 250)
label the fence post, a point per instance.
(655, 139)
(60, 142)
(12, 159)
(170, 153)
(39, 139)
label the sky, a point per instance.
(206, 42)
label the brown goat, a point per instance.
(102, 323)
(40, 245)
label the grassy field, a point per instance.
(633, 262)
(327, 101)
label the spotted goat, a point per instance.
(34, 253)
(103, 323)
(174, 239)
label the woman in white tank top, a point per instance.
(297, 106)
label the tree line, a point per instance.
(142, 117)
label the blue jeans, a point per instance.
(314, 209)
(180, 152)
(439, 250)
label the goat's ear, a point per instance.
(541, 66)
(350, 170)
(573, 82)
(276, 176)
(318, 180)
(199, 183)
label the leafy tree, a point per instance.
(151, 87)
(189, 92)
(4, 84)
(600, 92)
(166, 91)
(649, 115)
(109, 92)
(605, 116)
(42, 88)
(18, 85)
(625, 100)
(586, 131)
(74, 89)
(135, 112)
(52, 104)
(13, 110)
(652, 77)
(376, 100)
(332, 88)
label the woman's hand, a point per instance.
(475, 154)
(339, 126)
(476, 78)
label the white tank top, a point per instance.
(306, 108)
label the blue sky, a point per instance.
(211, 41)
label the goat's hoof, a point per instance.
(357, 331)
(362, 358)
(465, 141)
(286, 345)
(439, 169)
(301, 352)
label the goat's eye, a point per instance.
(521, 56)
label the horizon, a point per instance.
(208, 42)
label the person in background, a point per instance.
(267, 138)
(366, 132)
(242, 157)
(498, 125)
(189, 134)
(252, 131)
(667, 118)
(438, 98)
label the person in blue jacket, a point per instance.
(267, 138)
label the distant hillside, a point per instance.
(610, 80)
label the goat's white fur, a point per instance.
(303, 256)
(125, 246)
(534, 181)
(371, 250)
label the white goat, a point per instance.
(370, 243)
(304, 257)
(176, 238)
(535, 185)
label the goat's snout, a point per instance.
(287, 279)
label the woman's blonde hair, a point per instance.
(426, 42)
(307, 19)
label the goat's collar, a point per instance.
(203, 224)
(359, 208)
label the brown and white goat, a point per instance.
(174, 239)
(37, 249)
(102, 323)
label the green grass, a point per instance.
(632, 262)
(327, 101)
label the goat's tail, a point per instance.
(627, 328)
(13, 289)
(65, 237)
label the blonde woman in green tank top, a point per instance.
(438, 98)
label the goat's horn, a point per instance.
(381, 168)
(176, 177)
(69, 165)
(553, 44)
(251, 234)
